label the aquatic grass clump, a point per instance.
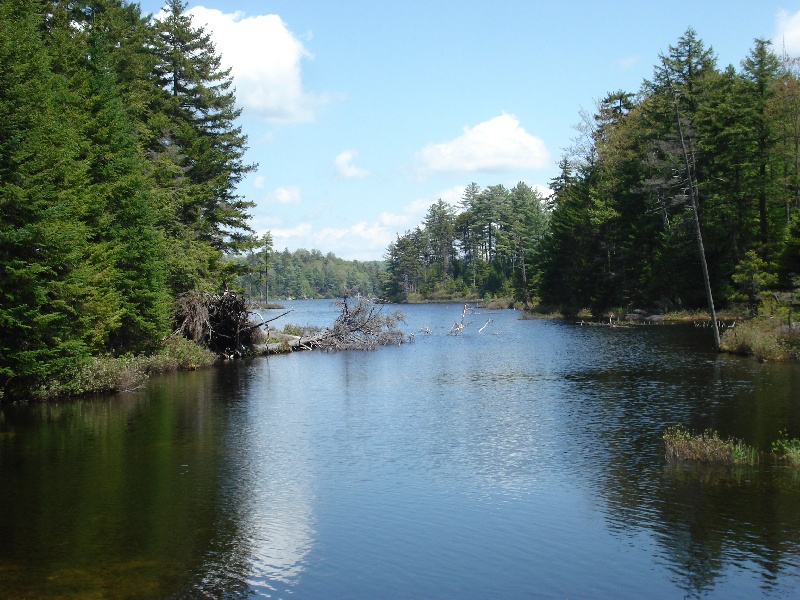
(708, 447)
(787, 449)
(761, 337)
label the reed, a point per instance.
(786, 449)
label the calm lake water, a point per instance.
(523, 461)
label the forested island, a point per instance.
(120, 157)
(265, 274)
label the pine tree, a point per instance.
(197, 131)
(761, 70)
(121, 210)
(47, 283)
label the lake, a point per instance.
(521, 461)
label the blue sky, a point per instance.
(363, 113)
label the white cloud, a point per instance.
(410, 215)
(265, 57)
(346, 168)
(362, 241)
(628, 62)
(499, 144)
(453, 195)
(301, 230)
(285, 195)
(787, 34)
(413, 214)
(360, 234)
(544, 191)
(260, 182)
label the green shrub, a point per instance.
(179, 353)
(96, 375)
(290, 329)
(103, 374)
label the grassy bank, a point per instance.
(765, 337)
(105, 374)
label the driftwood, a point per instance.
(458, 326)
(221, 322)
(361, 325)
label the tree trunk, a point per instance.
(693, 197)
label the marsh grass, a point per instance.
(786, 449)
(708, 447)
(103, 374)
(307, 330)
(762, 337)
(497, 303)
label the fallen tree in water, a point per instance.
(223, 324)
(361, 325)
(220, 322)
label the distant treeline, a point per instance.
(485, 249)
(618, 228)
(119, 161)
(304, 274)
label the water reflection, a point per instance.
(274, 450)
(710, 519)
(104, 496)
(523, 461)
(730, 531)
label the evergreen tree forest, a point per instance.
(119, 160)
(266, 275)
(618, 229)
(485, 249)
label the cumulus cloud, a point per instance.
(787, 34)
(301, 230)
(346, 168)
(361, 241)
(413, 213)
(499, 144)
(285, 195)
(410, 215)
(266, 63)
(544, 191)
(453, 195)
(372, 235)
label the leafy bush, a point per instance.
(103, 374)
(179, 353)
